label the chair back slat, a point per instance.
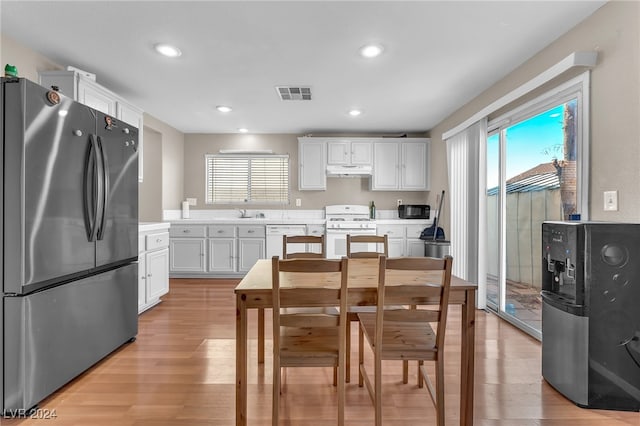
(309, 240)
(309, 320)
(308, 297)
(367, 239)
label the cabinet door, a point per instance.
(187, 255)
(415, 247)
(142, 282)
(312, 173)
(96, 97)
(413, 171)
(396, 247)
(157, 274)
(361, 153)
(385, 166)
(132, 115)
(249, 251)
(338, 152)
(222, 254)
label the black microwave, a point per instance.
(413, 211)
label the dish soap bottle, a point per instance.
(372, 211)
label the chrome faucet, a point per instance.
(243, 213)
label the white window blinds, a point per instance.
(467, 208)
(256, 179)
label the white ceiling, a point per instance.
(438, 56)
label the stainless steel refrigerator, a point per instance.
(69, 240)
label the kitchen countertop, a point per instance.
(288, 221)
(153, 226)
(249, 221)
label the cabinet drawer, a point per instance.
(315, 230)
(414, 231)
(156, 241)
(251, 231)
(392, 231)
(183, 231)
(227, 231)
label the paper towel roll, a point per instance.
(185, 210)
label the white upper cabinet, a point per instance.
(312, 164)
(133, 115)
(385, 166)
(90, 93)
(414, 165)
(401, 164)
(349, 152)
(96, 97)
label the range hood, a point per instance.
(348, 171)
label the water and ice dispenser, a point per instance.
(591, 312)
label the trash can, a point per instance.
(437, 248)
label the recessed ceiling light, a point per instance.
(355, 112)
(167, 50)
(243, 130)
(224, 108)
(371, 50)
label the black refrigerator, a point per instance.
(69, 240)
(590, 314)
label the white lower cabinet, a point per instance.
(222, 255)
(249, 251)
(415, 246)
(153, 268)
(404, 240)
(395, 235)
(215, 250)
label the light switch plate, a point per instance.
(611, 201)
(192, 201)
(298, 202)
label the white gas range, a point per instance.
(343, 220)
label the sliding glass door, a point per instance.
(532, 176)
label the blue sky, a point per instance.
(529, 143)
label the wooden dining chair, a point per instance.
(308, 339)
(407, 334)
(353, 311)
(310, 241)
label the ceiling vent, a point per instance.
(288, 93)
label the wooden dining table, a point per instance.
(254, 292)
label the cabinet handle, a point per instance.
(220, 231)
(186, 231)
(143, 277)
(251, 231)
(159, 240)
(149, 275)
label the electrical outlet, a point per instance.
(398, 201)
(192, 201)
(298, 202)
(611, 201)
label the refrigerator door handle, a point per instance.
(105, 188)
(92, 189)
(99, 179)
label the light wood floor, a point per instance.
(181, 371)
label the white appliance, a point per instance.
(343, 220)
(274, 238)
(339, 170)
